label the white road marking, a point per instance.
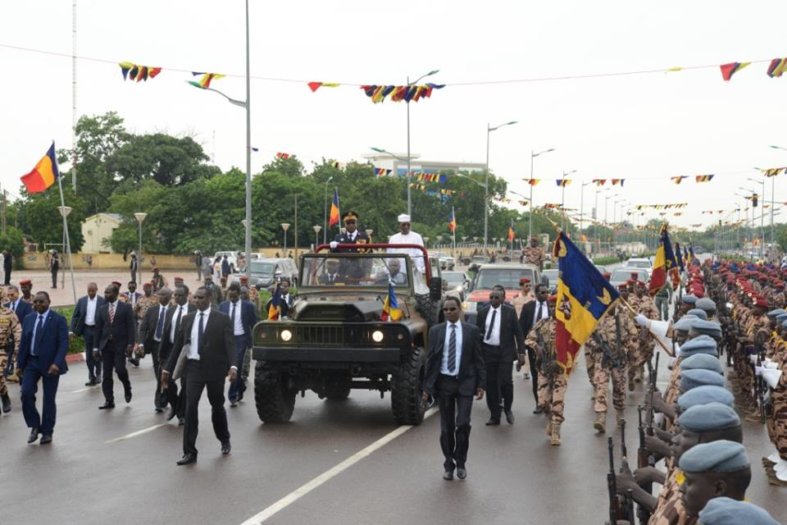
(326, 476)
(137, 433)
(81, 390)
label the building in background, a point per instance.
(97, 231)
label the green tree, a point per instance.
(41, 221)
(12, 241)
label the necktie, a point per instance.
(491, 325)
(200, 331)
(39, 333)
(177, 321)
(111, 313)
(452, 349)
(232, 316)
(160, 324)
(538, 312)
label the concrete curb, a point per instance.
(75, 358)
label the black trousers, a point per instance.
(170, 395)
(112, 359)
(499, 384)
(195, 385)
(93, 365)
(454, 421)
(531, 358)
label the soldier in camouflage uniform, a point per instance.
(534, 254)
(643, 347)
(9, 327)
(777, 420)
(608, 351)
(552, 379)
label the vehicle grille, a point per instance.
(320, 335)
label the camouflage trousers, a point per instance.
(777, 423)
(3, 364)
(601, 376)
(639, 354)
(589, 364)
(553, 395)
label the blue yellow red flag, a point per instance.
(44, 175)
(583, 296)
(274, 310)
(334, 218)
(391, 311)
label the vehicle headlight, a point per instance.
(286, 335)
(377, 336)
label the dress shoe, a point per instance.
(33, 437)
(240, 394)
(539, 410)
(46, 439)
(159, 410)
(181, 421)
(448, 475)
(509, 417)
(128, 396)
(134, 361)
(187, 459)
(107, 406)
(91, 382)
(493, 421)
(6, 404)
(226, 448)
(461, 472)
(171, 414)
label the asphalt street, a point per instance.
(335, 463)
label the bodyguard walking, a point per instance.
(114, 340)
(243, 316)
(83, 323)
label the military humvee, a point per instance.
(338, 336)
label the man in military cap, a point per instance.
(533, 253)
(10, 329)
(687, 302)
(727, 511)
(26, 286)
(642, 350)
(214, 292)
(351, 233)
(158, 281)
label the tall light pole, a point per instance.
(563, 196)
(325, 213)
(762, 213)
(773, 181)
(533, 155)
(582, 205)
(285, 226)
(140, 216)
(750, 198)
(407, 103)
(489, 130)
(316, 229)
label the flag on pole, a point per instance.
(511, 234)
(665, 263)
(44, 175)
(274, 310)
(583, 297)
(452, 221)
(391, 310)
(334, 218)
(679, 256)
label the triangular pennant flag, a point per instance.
(727, 70)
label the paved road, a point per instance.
(90, 475)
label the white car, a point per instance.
(446, 261)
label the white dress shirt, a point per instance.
(444, 366)
(494, 336)
(544, 311)
(90, 311)
(237, 328)
(183, 310)
(193, 349)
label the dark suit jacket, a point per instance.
(526, 317)
(472, 371)
(118, 335)
(248, 313)
(512, 342)
(78, 317)
(54, 342)
(324, 279)
(166, 344)
(147, 328)
(216, 354)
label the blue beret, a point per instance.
(702, 344)
(784, 323)
(710, 328)
(705, 394)
(684, 323)
(696, 312)
(775, 313)
(708, 417)
(702, 362)
(781, 318)
(689, 298)
(693, 378)
(716, 456)
(705, 304)
(726, 511)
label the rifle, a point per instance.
(612, 489)
(628, 500)
(759, 385)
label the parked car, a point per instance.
(551, 274)
(265, 272)
(506, 275)
(232, 258)
(456, 283)
(446, 261)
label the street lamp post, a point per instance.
(325, 214)
(563, 196)
(407, 103)
(533, 155)
(762, 213)
(140, 216)
(582, 205)
(285, 226)
(316, 229)
(751, 222)
(489, 130)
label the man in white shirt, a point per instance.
(407, 236)
(83, 323)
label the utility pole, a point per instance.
(4, 211)
(296, 226)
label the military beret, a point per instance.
(25, 282)
(705, 304)
(702, 344)
(693, 378)
(784, 323)
(776, 313)
(716, 456)
(705, 394)
(684, 323)
(116, 283)
(708, 417)
(702, 362)
(726, 511)
(700, 314)
(688, 298)
(710, 328)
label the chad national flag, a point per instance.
(679, 256)
(274, 310)
(44, 175)
(665, 263)
(583, 296)
(452, 222)
(334, 218)
(391, 311)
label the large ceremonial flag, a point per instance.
(664, 264)
(679, 256)
(335, 218)
(44, 175)
(274, 310)
(583, 296)
(452, 221)
(391, 310)
(511, 234)
(692, 257)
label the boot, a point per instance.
(555, 436)
(618, 417)
(6, 403)
(600, 424)
(12, 377)
(549, 428)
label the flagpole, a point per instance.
(68, 240)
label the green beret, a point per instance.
(710, 328)
(693, 378)
(717, 456)
(689, 299)
(696, 312)
(702, 362)
(709, 417)
(705, 394)
(702, 344)
(726, 511)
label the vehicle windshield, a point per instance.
(453, 277)
(262, 268)
(354, 269)
(624, 274)
(551, 275)
(633, 263)
(506, 277)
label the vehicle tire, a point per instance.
(406, 390)
(274, 402)
(427, 309)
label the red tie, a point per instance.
(111, 313)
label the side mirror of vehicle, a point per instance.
(435, 288)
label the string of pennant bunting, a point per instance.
(400, 93)
(614, 182)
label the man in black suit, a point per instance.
(151, 333)
(83, 323)
(454, 373)
(208, 334)
(243, 316)
(532, 312)
(331, 275)
(8, 264)
(501, 342)
(115, 336)
(175, 316)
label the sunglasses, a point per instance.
(349, 222)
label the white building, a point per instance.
(97, 231)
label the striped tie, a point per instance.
(452, 349)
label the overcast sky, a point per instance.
(641, 128)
